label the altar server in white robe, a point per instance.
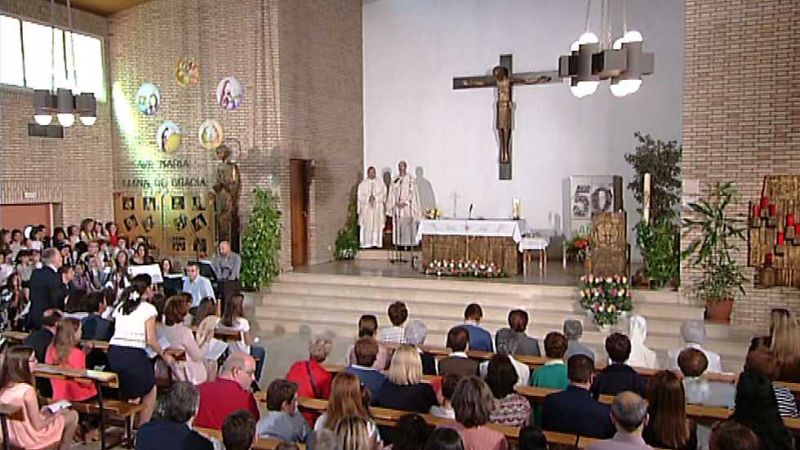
(371, 210)
(404, 207)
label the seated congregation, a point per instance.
(478, 391)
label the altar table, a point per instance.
(490, 240)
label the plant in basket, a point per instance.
(605, 298)
(578, 247)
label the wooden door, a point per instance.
(298, 205)
(19, 216)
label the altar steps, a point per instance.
(327, 303)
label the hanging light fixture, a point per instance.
(62, 102)
(578, 64)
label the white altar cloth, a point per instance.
(462, 227)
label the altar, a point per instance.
(489, 240)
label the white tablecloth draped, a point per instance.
(461, 227)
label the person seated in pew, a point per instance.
(553, 374)
(784, 342)
(39, 340)
(518, 324)
(323, 440)
(445, 439)
(353, 434)
(239, 431)
(64, 352)
(313, 381)
(410, 433)
(507, 343)
(641, 355)
(473, 403)
(347, 399)
(618, 376)
(234, 319)
(415, 333)
(94, 326)
(39, 428)
(629, 414)
(228, 392)
(694, 335)
(172, 429)
(573, 331)
(398, 314)
(366, 350)
(732, 435)
(282, 420)
(531, 437)
(573, 410)
(458, 341)
(196, 368)
(667, 425)
(479, 338)
(445, 406)
(368, 327)
(757, 408)
(763, 361)
(206, 307)
(510, 408)
(699, 390)
(404, 388)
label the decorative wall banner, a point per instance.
(774, 232)
(168, 137)
(230, 93)
(140, 216)
(148, 99)
(186, 72)
(210, 134)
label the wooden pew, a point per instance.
(123, 409)
(17, 337)
(261, 443)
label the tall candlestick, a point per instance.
(646, 199)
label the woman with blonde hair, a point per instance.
(347, 399)
(353, 433)
(784, 343)
(403, 388)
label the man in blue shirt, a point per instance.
(366, 350)
(479, 338)
(197, 285)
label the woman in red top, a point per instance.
(113, 233)
(313, 381)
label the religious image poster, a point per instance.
(186, 72)
(230, 93)
(210, 134)
(148, 99)
(168, 137)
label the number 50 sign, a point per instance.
(590, 194)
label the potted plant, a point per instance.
(660, 250)
(712, 251)
(348, 241)
(261, 243)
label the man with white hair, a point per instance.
(415, 333)
(573, 331)
(629, 415)
(694, 335)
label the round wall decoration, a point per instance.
(148, 99)
(168, 137)
(210, 134)
(230, 93)
(187, 72)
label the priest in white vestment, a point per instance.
(371, 210)
(404, 207)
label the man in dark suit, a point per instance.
(39, 340)
(47, 288)
(574, 410)
(458, 341)
(172, 429)
(618, 377)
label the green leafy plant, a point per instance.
(605, 298)
(660, 249)
(712, 252)
(261, 243)
(662, 161)
(348, 242)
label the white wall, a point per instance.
(414, 48)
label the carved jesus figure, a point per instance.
(504, 107)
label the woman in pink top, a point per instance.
(64, 352)
(473, 403)
(39, 429)
(196, 368)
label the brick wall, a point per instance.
(300, 65)
(75, 172)
(742, 113)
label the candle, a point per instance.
(773, 209)
(756, 210)
(764, 202)
(781, 237)
(646, 199)
(797, 228)
(768, 260)
(790, 220)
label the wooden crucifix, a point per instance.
(503, 79)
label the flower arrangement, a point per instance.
(578, 247)
(433, 213)
(462, 268)
(605, 298)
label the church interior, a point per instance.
(350, 174)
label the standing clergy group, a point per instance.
(401, 204)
